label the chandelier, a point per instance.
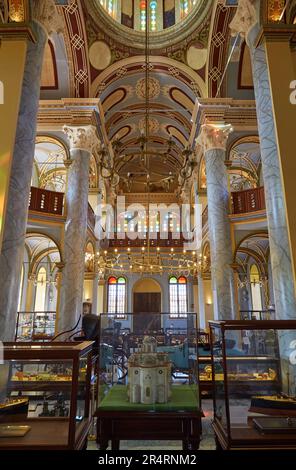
(143, 261)
(149, 258)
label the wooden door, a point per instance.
(146, 307)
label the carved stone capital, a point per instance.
(213, 137)
(245, 18)
(46, 13)
(82, 138)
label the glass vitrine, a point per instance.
(147, 363)
(45, 395)
(35, 326)
(254, 380)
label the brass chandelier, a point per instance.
(148, 258)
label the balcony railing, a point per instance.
(250, 200)
(48, 202)
(169, 240)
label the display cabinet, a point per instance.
(35, 326)
(254, 380)
(45, 397)
(148, 387)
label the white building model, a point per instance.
(149, 374)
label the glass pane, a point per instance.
(82, 394)
(219, 384)
(146, 363)
(112, 295)
(182, 298)
(121, 298)
(174, 307)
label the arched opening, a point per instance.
(40, 294)
(255, 288)
(147, 302)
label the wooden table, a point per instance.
(246, 437)
(180, 419)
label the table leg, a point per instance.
(115, 444)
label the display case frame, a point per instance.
(235, 416)
(118, 417)
(51, 433)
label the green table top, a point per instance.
(184, 398)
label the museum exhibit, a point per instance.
(147, 226)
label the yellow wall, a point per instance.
(12, 64)
(147, 285)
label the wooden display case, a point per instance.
(268, 390)
(56, 379)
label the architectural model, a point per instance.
(149, 374)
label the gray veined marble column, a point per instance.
(11, 256)
(245, 22)
(82, 141)
(213, 140)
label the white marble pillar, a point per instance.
(82, 141)
(245, 23)
(213, 140)
(12, 253)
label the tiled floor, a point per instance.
(207, 442)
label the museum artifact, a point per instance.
(149, 374)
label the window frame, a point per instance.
(179, 315)
(118, 315)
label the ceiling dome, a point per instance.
(162, 14)
(170, 21)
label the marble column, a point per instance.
(82, 142)
(14, 232)
(246, 23)
(213, 140)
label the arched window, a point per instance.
(185, 6)
(255, 288)
(143, 15)
(40, 290)
(178, 297)
(153, 15)
(116, 295)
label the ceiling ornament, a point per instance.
(153, 124)
(153, 88)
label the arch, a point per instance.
(147, 284)
(194, 77)
(49, 162)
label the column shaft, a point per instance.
(219, 232)
(75, 240)
(19, 187)
(282, 270)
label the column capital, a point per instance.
(245, 18)
(46, 13)
(82, 137)
(214, 137)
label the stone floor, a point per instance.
(207, 442)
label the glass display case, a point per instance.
(254, 380)
(147, 364)
(35, 326)
(45, 395)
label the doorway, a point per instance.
(147, 304)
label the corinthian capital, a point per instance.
(82, 137)
(213, 137)
(245, 18)
(46, 13)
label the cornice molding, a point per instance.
(54, 114)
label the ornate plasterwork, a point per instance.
(213, 137)
(82, 138)
(245, 18)
(153, 88)
(47, 15)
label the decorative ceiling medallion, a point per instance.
(100, 55)
(153, 88)
(196, 57)
(154, 125)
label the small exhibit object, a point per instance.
(13, 431)
(149, 374)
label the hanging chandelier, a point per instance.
(144, 261)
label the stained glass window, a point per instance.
(178, 297)
(143, 15)
(116, 295)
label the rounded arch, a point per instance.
(147, 284)
(40, 245)
(51, 152)
(131, 61)
(244, 154)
